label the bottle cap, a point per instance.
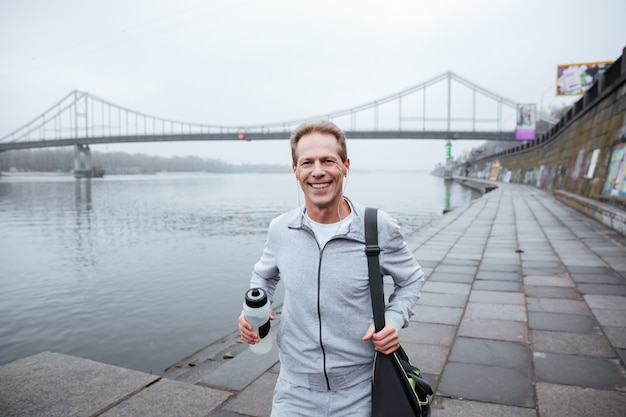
(256, 297)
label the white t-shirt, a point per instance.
(324, 231)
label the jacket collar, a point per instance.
(356, 229)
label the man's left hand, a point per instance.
(385, 341)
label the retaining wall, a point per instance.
(580, 156)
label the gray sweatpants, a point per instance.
(294, 401)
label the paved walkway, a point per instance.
(523, 315)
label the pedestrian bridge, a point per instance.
(446, 107)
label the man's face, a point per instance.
(320, 171)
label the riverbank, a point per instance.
(534, 286)
(34, 174)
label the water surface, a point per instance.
(140, 271)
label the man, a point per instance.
(326, 338)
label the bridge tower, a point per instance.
(82, 161)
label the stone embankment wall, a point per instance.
(581, 159)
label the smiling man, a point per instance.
(326, 337)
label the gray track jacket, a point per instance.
(327, 306)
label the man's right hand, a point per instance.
(245, 329)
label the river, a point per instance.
(141, 270)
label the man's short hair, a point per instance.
(323, 127)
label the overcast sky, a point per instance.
(246, 62)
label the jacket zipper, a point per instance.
(319, 317)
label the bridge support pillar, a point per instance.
(447, 175)
(82, 161)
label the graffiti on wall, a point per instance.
(615, 184)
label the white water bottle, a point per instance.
(256, 309)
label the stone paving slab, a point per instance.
(548, 280)
(255, 401)
(458, 269)
(469, 263)
(447, 407)
(616, 335)
(430, 359)
(581, 371)
(610, 318)
(487, 266)
(498, 275)
(169, 398)
(450, 277)
(567, 401)
(553, 292)
(439, 315)
(550, 305)
(55, 385)
(506, 330)
(428, 333)
(495, 311)
(572, 343)
(497, 297)
(599, 277)
(486, 285)
(492, 384)
(446, 288)
(602, 289)
(491, 352)
(530, 269)
(562, 322)
(443, 300)
(606, 302)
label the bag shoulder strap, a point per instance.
(372, 250)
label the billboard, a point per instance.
(575, 79)
(526, 122)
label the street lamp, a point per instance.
(541, 100)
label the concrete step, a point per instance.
(239, 372)
(228, 363)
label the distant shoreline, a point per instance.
(70, 174)
(35, 174)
